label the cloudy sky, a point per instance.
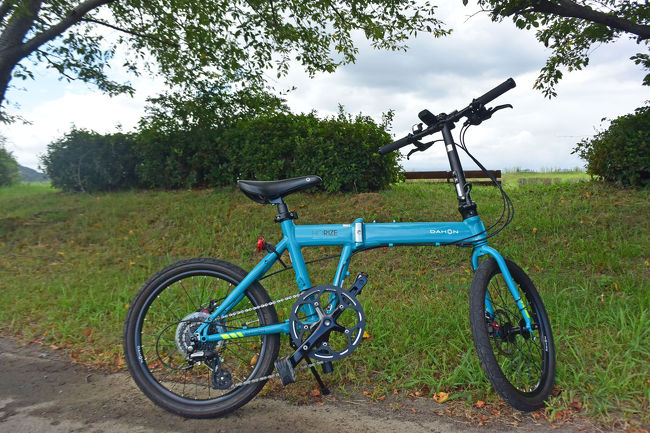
(438, 74)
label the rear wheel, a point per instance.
(519, 364)
(158, 338)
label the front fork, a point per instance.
(483, 250)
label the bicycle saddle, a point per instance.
(263, 191)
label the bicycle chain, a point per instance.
(270, 376)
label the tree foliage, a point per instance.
(572, 28)
(621, 153)
(8, 166)
(197, 43)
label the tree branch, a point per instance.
(5, 7)
(131, 32)
(19, 24)
(570, 9)
(56, 66)
(72, 18)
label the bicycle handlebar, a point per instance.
(496, 92)
(486, 98)
(395, 145)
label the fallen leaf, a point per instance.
(440, 397)
(575, 404)
(314, 392)
(413, 410)
(54, 347)
(480, 403)
(254, 359)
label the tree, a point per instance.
(196, 42)
(571, 28)
(8, 166)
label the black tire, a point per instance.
(156, 330)
(520, 367)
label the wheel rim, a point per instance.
(519, 354)
(181, 301)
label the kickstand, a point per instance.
(323, 389)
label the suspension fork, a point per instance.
(482, 250)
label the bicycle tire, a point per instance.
(504, 356)
(162, 314)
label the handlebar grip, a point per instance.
(383, 150)
(496, 92)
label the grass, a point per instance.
(516, 177)
(70, 264)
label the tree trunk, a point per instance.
(14, 47)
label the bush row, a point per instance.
(342, 150)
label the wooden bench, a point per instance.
(448, 177)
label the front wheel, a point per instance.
(158, 339)
(519, 364)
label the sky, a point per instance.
(440, 74)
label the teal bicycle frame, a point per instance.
(352, 238)
(358, 236)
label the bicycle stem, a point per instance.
(466, 206)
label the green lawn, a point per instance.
(70, 264)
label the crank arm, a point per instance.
(286, 366)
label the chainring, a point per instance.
(322, 303)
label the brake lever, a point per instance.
(419, 147)
(483, 113)
(498, 107)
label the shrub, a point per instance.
(171, 155)
(8, 166)
(621, 153)
(89, 162)
(342, 150)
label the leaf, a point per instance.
(440, 397)
(480, 403)
(576, 404)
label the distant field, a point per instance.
(70, 265)
(518, 177)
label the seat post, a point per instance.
(283, 211)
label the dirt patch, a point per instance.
(43, 391)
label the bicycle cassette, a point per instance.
(331, 307)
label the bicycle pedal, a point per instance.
(286, 371)
(359, 284)
(327, 368)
